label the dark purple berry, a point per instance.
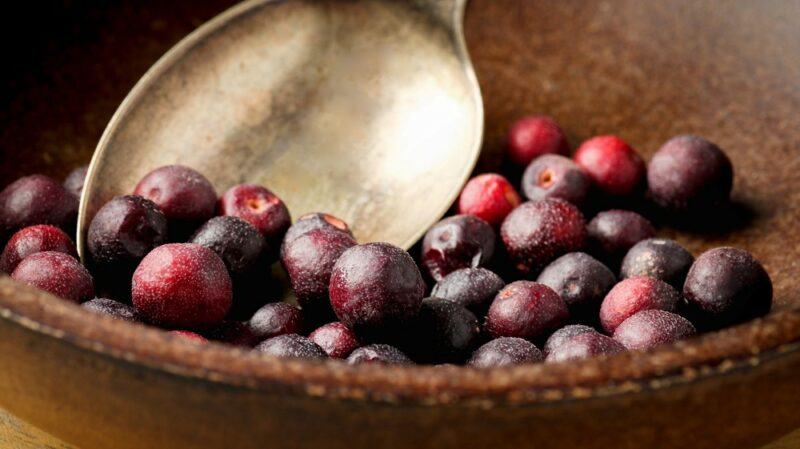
(378, 353)
(556, 176)
(564, 334)
(375, 289)
(461, 241)
(34, 239)
(505, 351)
(473, 288)
(74, 181)
(726, 286)
(261, 208)
(662, 259)
(316, 220)
(112, 308)
(582, 282)
(613, 232)
(36, 199)
(614, 166)
(526, 309)
(443, 332)
(236, 242)
(689, 173)
(650, 328)
(536, 233)
(56, 273)
(277, 318)
(585, 345)
(237, 333)
(634, 295)
(291, 345)
(336, 339)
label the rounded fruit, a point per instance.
(473, 288)
(460, 241)
(443, 332)
(34, 239)
(505, 351)
(564, 334)
(585, 345)
(235, 241)
(56, 273)
(261, 208)
(112, 308)
(651, 328)
(634, 295)
(273, 319)
(613, 232)
(489, 197)
(292, 346)
(614, 166)
(312, 221)
(36, 199)
(378, 353)
(533, 136)
(662, 259)
(189, 336)
(336, 339)
(527, 310)
(582, 282)
(75, 180)
(556, 176)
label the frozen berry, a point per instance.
(726, 286)
(34, 239)
(378, 353)
(526, 309)
(122, 232)
(582, 282)
(443, 332)
(489, 197)
(633, 295)
(33, 200)
(538, 232)
(662, 259)
(336, 339)
(291, 345)
(555, 176)
(461, 241)
(236, 242)
(261, 208)
(308, 260)
(650, 328)
(277, 318)
(182, 285)
(612, 164)
(190, 336)
(312, 221)
(185, 197)
(56, 273)
(473, 288)
(505, 351)
(689, 173)
(376, 288)
(112, 308)
(613, 232)
(564, 334)
(533, 136)
(74, 181)
(589, 344)
(232, 332)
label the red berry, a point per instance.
(505, 351)
(261, 208)
(563, 335)
(527, 310)
(651, 328)
(531, 137)
(277, 318)
(460, 241)
(633, 295)
(584, 345)
(182, 285)
(36, 199)
(57, 273)
(312, 221)
(612, 164)
(336, 339)
(34, 239)
(489, 197)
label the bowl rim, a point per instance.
(740, 348)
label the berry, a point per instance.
(460, 241)
(36, 199)
(582, 282)
(236, 242)
(378, 353)
(650, 328)
(261, 208)
(237, 333)
(473, 288)
(563, 335)
(613, 165)
(726, 286)
(613, 232)
(74, 181)
(376, 288)
(291, 345)
(505, 351)
(533, 136)
(555, 176)
(185, 197)
(182, 285)
(112, 308)
(634, 295)
(443, 332)
(277, 318)
(189, 336)
(312, 221)
(661, 259)
(308, 260)
(688, 174)
(585, 345)
(336, 339)
(536, 233)
(489, 197)
(56, 273)
(526, 309)
(122, 232)
(34, 239)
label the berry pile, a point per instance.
(507, 276)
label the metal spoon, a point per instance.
(368, 110)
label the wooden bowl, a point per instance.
(644, 70)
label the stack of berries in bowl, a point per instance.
(575, 271)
